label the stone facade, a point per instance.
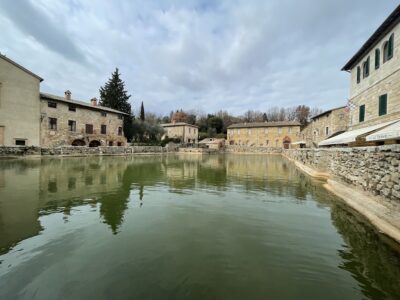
(70, 122)
(264, 134)
(325, 125)
(19, 105)
(381, 81)
(187, 133)
(373, 169)
(252, 149)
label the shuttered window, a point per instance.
(383, 105)
(358, 74)
(390, 47)
(377, 58)
(366, 68)
(361, 114)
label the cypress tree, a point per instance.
(114, 95)
(142, 117)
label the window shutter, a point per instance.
(367, 68)
(383, 105)
(377, 58)
(390, 47)
(358, 74)
(361, 115)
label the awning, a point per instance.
(298, 143)
(387, 133)
(350, 136)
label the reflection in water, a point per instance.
(110, 186)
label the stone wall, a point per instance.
(373, 169)
(251, 149)
(197, 150)
(79, 151)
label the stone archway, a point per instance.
(95, 143)
(286, 142)
(78, 143)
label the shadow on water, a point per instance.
(33, 188)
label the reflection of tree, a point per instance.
(374, 264)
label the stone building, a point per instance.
(374, 88)
(65, 121)
(187, 133)
(325, 125)
(264, 134)
(19, 104)
(213, 143)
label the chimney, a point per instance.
(93, 101)
(67, 94)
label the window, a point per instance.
(377, 58)
(119, 144)
(361, 113)
(358, 74)
(120, 117)
(71, 107)
(383, 105)
(52, 123)
(119, 130)
(103, 114)
(366, 68)
(326, 130)
(89, 128)
(190, 130)
(20, 142)
(388, 48)
(103, 129)
(71, 125)
(110, 143)
(266, 142)
(52, 104)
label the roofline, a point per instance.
(46, 96)
(328, 111)
(20, 67)
(382, 30)
(178, 124)
(263, 124)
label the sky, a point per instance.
(203, 55)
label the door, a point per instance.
(1, 135)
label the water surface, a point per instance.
(183, 227)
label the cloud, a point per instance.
(205, 55)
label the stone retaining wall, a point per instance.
(197, 150)
(78, 151)
(373, 169)
(251, 149)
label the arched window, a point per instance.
(358, 74)
(366, 68)
(388, 49)
(377, 58)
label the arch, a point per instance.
(286, 142)
(78, 143)
(94, 143)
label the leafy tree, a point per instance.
(114, 95)
(142, 116)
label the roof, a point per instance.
(350, 136)
(327, 112)
(264, 124)
(20, 67)
(387, 133)
(211, 141)
(178, 124)
(80, 103)
(382, 30)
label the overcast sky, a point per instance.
(202, 55)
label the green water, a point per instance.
(183, 227)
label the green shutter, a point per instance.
(390, 46)
(361, 116)
(377, 58)
(383, 105)
(358, 74)
(367, 68)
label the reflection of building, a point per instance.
(71, 122)
(185, 132)
(30, 118)
(325, 125)
(264, 134)
(19, 104)
(374, 89)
